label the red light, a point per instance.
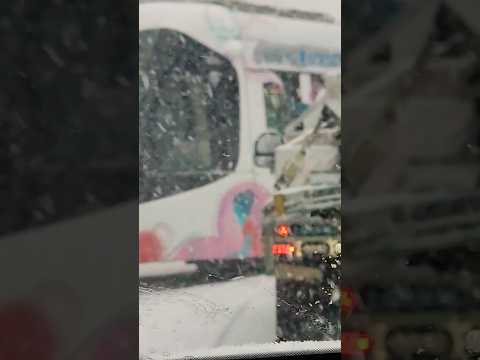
(356, 343)
(283, 230)
(283, 249)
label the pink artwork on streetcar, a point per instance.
(150, 247)
(239, 225)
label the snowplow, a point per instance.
(302, 230)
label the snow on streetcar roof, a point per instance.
(328, 11)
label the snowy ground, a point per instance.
(236, 312)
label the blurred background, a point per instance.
(410, 180)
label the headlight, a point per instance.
(338, 248)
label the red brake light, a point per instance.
(283, 249)
(283, 230)
(356, 343)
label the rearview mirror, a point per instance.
(265, 149)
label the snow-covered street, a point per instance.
(237, 312)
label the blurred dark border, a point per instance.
(69, 180)
(410, 179)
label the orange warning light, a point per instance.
(283, 230)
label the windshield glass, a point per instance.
(289, 95)
(214, 272)
(188, 114)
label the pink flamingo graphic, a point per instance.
(239, 227)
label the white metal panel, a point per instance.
(236, 34)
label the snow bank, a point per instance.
(155, 269)
(187, 320)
